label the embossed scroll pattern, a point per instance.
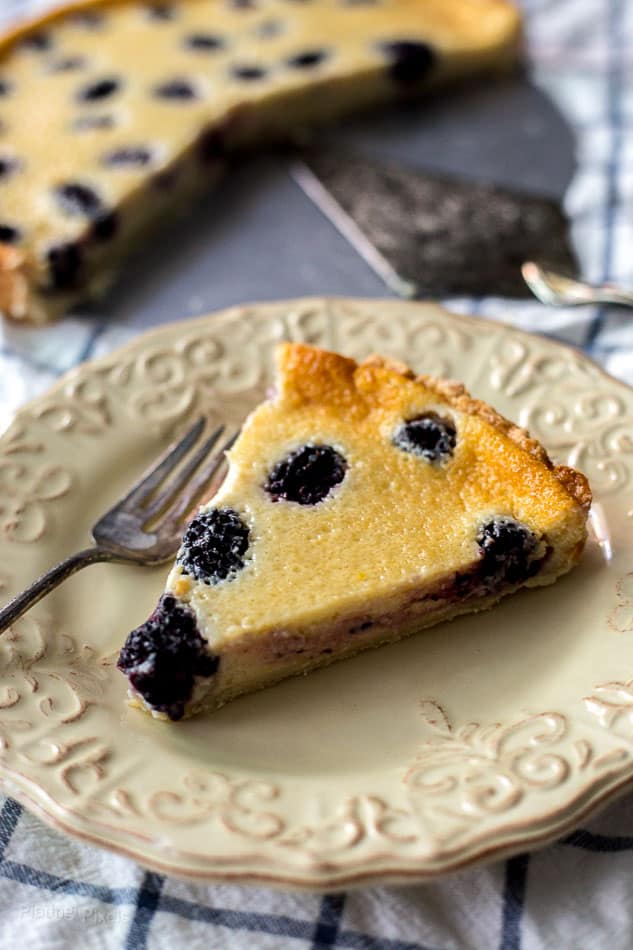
(28, 483)
(571, 407)
(621, 617)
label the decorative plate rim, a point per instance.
(388, 875)
(320, 873)
(190, 323)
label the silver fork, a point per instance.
(144, 527)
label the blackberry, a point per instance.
(429, 435)
(91, 122)
(508, 551)
(307, 60)
(214, 545)
(129, 156)
(88, 19)
(105, 225)
(307, 476)
(9, 234)
(204, 42)
(68, 64)
(65, 263)
(77, 199)
(160, 11)
(39, 42)
(248, 73)
(409, 61)
(163, 655)
(176, 89)
(101, 89)
(8, 166)
(269, 28)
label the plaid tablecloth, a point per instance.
(56, 892)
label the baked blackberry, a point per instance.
(65, 262)
(409, 61)
(163, 656)
(129, 156)
(75, 198)
(214, 546)
(509, 551)
(178, 90)
(307, 475)
(99, 90)
(429, 435)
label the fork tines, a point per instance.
(171, 491)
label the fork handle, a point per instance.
(47, 582)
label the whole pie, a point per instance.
(362, 504)
(115, 114)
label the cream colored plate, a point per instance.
(478, 738)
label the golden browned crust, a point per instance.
(321, 372)
(14, 287)
(575, 483)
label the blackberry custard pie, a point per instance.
(361, 505)
(116, 113)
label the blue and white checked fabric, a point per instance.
(57, 892)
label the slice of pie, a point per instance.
(361, 505)
(115, 114)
